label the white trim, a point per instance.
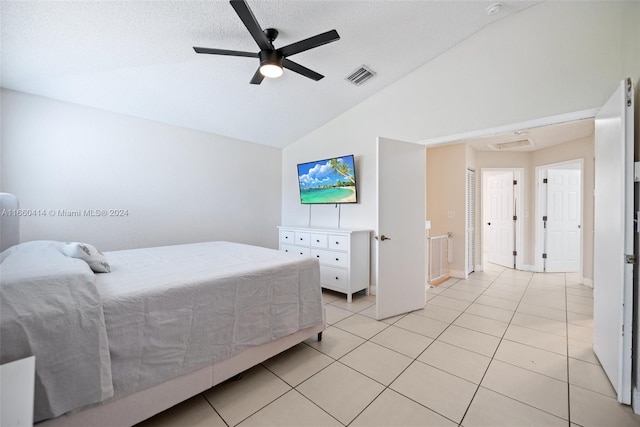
(458, 274)
(635, 400)
(529, 267)
(479, 267)
(588, 283)
(544, 121)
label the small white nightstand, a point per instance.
(17, 381)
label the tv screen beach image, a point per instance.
(328, 181)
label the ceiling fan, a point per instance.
(272, 60)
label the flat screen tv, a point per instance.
(328, 181)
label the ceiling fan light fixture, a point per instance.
(271, 70)
(270, 64)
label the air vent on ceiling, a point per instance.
(361, 75)
(512, 144)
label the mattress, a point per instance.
(159, 314)
(170, 310)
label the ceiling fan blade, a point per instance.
(242, 9)
(310, 43)
(257, 77)
(293, 66)
(225, 52)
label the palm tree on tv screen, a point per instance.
(342, 169)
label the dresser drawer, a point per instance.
(319, 241)
(302, 239)
(287, 236)
(336, 259)
(339, 242)
(336, 278)
(291, 249)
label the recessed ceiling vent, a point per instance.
(512, 144)
(360, 75)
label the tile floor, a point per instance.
(502, 348)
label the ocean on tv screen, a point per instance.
(328, 195)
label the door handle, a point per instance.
(383, 238)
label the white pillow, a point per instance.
(88, 253)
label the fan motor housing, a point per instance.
(270, 57)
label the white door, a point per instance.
(500, 221)
(563, 220)
(401, 254)
(613, 239)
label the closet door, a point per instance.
(471, 221)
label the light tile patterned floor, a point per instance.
(502, 348)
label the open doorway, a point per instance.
(524, 149)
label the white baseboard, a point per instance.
(458, 274)
(635, 400)
(587, 282)
(529, 267)
(479, 267)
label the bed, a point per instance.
(162, 325)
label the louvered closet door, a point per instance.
(471, 220)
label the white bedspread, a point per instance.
(50, 308)
(170, 310)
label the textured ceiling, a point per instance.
(136, 57)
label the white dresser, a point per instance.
(343, 254)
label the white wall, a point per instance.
(178, 185)
(553, 58)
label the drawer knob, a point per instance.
(286, 237)
(337, 243)
(286, 250)
(317, 241)
(337, 259)
(337, 278)
(301, 253)
(317, 256)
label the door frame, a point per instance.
(518, 174)
(539, 228)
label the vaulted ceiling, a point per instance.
(136, 57)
